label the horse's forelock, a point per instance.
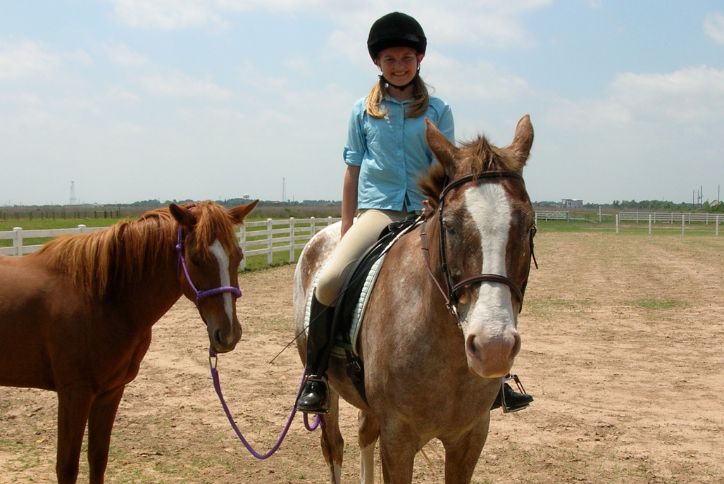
(477, 156)
(213, 222)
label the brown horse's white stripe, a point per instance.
(222, 259)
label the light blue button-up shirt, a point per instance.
(392, 152)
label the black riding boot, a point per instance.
(513, 400)
(313, 398)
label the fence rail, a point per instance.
(668, 217)
(266, 237)
(546, 215)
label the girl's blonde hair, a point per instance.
(420, 99)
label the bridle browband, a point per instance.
(450, 293)
(200, 294)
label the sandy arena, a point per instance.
(622, 349)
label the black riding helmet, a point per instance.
(396, 30)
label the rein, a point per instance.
(451, 290)
(235, 291)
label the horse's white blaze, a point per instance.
(490, 209)
(222, 259)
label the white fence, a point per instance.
(255, 238)
(546, 215)
(668, 217)
(683, 218)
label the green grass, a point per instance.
(659, 304)
(57, 223)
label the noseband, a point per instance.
(234, 291)
(452, 289)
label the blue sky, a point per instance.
(217, 99)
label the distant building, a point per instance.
(572, 203)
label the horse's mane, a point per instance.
(129, 251)
(477, 156)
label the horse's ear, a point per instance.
(184, 217)
(522, 141)
(239, 213)
(441, 147)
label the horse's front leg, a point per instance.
(74, 404)
(332, 441)
(369, 431)
(398, 445)
(100, 425)
(461, 456)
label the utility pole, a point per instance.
(73, 200)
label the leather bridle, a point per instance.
(452, 289)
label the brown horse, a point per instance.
(76, 316)
(440, 327)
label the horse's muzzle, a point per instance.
(492, 357)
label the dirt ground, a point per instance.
(622, 349)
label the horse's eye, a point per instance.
(449, 228)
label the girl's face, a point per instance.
(399, 64)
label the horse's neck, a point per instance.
(149, 298)
(417, 261)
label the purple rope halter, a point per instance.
(217, 386)
(235, 291)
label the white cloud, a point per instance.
(488, 22)
(25, 59)
(166, 14)
(473, 81)
(692, 94)
(122, 55)
(292, 5)
(714, 27)
(181, 85)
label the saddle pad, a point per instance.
(359, 310)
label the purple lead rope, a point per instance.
(217, 386)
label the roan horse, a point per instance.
(76, 316)
(440, 327)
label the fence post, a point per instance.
(242, 244)
(649, 224)
(270, 248)
(18, 240)
(292, 250)
(617, 223)
(717, 226)
(683, 220)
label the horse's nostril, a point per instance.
(471, 347)
(516, 346)
(217, 336)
